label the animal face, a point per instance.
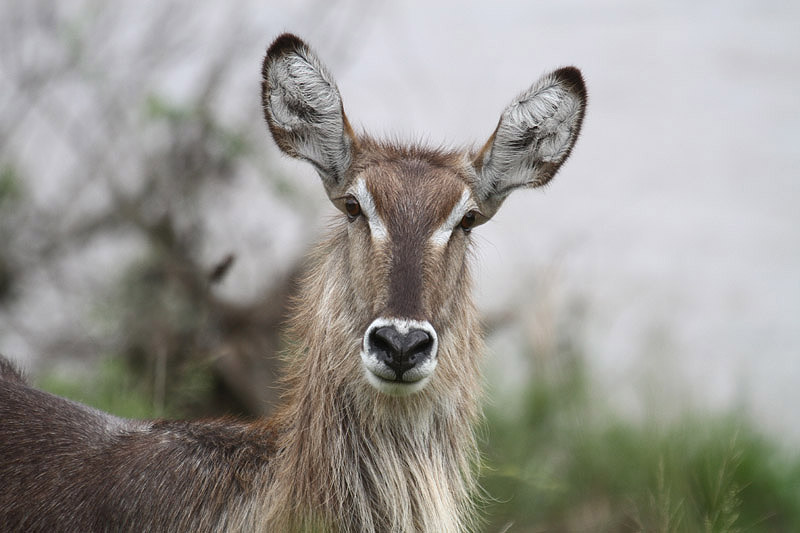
(410, 210)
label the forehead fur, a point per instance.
(413, 182)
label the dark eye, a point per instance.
(468, 221)
(352, 207)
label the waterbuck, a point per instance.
(382, 380)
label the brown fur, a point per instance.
(366, 453)
(341, 454)
(338, 455)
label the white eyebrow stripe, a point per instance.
(442, 234)
(367, 203)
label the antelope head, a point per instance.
(408, 212)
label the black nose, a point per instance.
(400, 352)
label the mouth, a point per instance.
(395, 387)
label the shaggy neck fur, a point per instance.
(353, 459)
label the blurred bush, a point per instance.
(557, 460)
(113, 145)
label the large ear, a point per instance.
(304, 110)
(534, 137)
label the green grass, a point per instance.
(112, 388)
(129, 391)
(561, 464)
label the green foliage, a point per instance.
(561, 464)
(117, 387)
(10, 188)
(10, 196)
(113, 389)
(157, 107)
(224, 143)
(8, 278)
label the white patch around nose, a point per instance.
(378, 373)
(367, 203)
(442, 234)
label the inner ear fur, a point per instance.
(303, 109)
(533, 138)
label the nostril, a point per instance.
(416, 343)
(386, 342)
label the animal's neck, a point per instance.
(354, 459)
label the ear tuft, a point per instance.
(534, 137)
(304, 110)
(572, 78)
(284, 44)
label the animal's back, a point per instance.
(67, 467)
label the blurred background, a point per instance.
(642, 312)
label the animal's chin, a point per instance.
(394, 387)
